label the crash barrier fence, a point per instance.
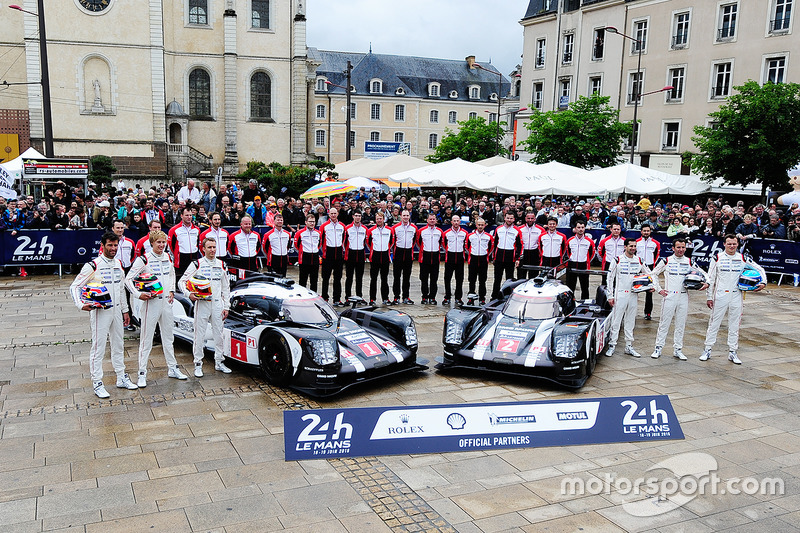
(66, 247)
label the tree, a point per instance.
(585, 135)
(475, 140)
(753, 137)
(102, 168)
(279, 180)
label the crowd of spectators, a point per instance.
(65, 207)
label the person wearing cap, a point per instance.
(258, 212)
(578, 216)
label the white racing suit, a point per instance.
(620, 280)
(723, 290)
(104, 323)
(157, 311)
(206, 311)
(676, 302)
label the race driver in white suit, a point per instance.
(723, 296)
(155, 310)
(212, 311)
(676, 297)
(620, 286)
(105, 323)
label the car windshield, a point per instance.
(308, 311)
(531, 307)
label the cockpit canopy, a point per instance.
(529, 302)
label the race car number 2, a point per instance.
(508, 345)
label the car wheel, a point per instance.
(591, 356)
(274, 357)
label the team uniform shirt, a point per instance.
(276, 242)
(159, 266)
(379, 239)
(455, 243)
(244, 244)
(509, 240)
(648, 249)
(307, 242)
(611, 248)
(142, 246)
(103, 270)
(622, 272)
(125, 251)
(530, 236)
(214, 271)
(220, 235)
(675, 270)
(724, 271)
(581, 250)
(430, 240)
(183, 239)
(355, 237)
(404, 235)
(479, 244)
(332, 234)
(553, 244)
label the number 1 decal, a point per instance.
(369, 348)
(238, 350)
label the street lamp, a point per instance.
(636, 86)
(46, 113)
(514, 141)
(348, 72)
(499, 89)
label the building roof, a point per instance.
(540, 7)
(412, 74)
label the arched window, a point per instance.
(320, 111)
(375, 136)
(473, 115)
(399, 137)
(198, 11)
(321, 85)
(319, 138)
(260, 96)
(376, 86)
(452, 117)
(433, 141)
(199, 93)
(434, 116)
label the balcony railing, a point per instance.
(567, 57)
(726, 34)
(680, 41)
(720, 91)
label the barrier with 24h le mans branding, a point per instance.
(367, 431)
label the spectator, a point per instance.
(60, 219)
(189, 193)
(774, 230)
(250, 192)
(208, 198)
(747, 229)
(258, 212)
(793, 229)
(676, 228)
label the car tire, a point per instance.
(275, 358)
(591, 356)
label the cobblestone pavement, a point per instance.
(207, 454)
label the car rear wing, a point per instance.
(238, 276)
(553, 272)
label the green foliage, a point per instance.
(475, 140)
(585, 135)
(102, 169)
(754, 137)
(280, 180)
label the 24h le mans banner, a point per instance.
(367, 431)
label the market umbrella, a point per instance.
(327, 188)
(361, 181)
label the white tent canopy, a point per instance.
(14, 167)
(719, 186)
(379, 168)
(633, 179)
(493, 161)
(519, 177)
(361, 181)
(453, 173)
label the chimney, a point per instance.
(470, 62)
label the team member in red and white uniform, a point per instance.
(126, 251)
(213, 311)
(507, 249)
(553, 244)
(307, 240)
(155, 310)
(429, 239)
(244, 246)
(404, 235)
(620, 283)
(724, 295)
(105, 323)
(676, 297)
(479, 247)
(648, 249)
(455, 245)
(332, 256)
(218, 233)
(143, 244)
(580, 248)
(530, 231)
(612, 246)
(276, 245)
(183, 241)
(379, 240)
(355, 254)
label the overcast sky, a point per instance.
(446, 29)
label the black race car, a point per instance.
(535, 329)
(299, 341)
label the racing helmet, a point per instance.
(200, 286)
(148, 283)
(96, 295)
(749, 279)
(694, 280)
(642, 283)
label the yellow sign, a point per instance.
(9, 147)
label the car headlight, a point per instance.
(453, 332)
(566, 346)
(324, 352)
(411, 335)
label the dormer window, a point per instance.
(375, 86)
(453, 94)
(433, 90)
(400, 91)
(493, 97)
(321, 85)
(474, 92)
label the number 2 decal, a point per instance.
(507, 345)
